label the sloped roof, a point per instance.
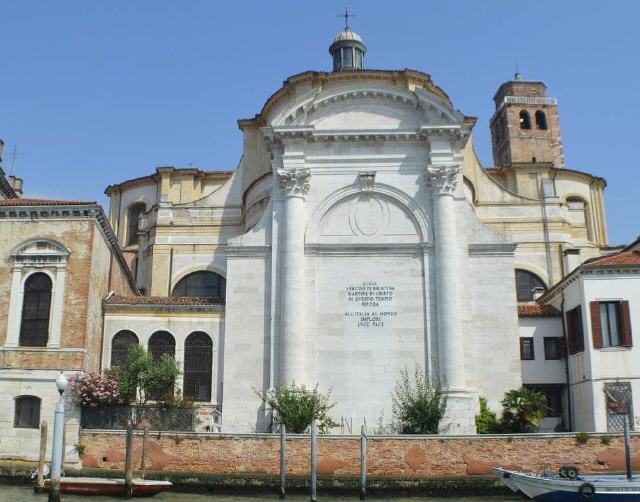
(629, 257)
(43, 202)
(536, 310)
(162, 300)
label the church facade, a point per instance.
(358, 236)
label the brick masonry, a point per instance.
(403, 457)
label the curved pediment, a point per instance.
(367, 108)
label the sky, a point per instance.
(94, 93)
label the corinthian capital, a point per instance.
(443, 178)
(294, 182)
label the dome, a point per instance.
(347, 35)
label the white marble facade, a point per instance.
(368, 259)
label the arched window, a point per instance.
(133, 215)
(36, 308)
(203, 284)
(525, 120)
(160, 343)
(526, 282)
(541, 120)
(27, 412)
(198, 361)
(120, 346)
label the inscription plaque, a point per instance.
(370, 303)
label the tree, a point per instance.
(141, 378)
(487, 422)
(296, 406)
(418, 407)
(523, 410)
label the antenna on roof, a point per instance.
(346, 17)
(13, 155)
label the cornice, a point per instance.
(492, 249)
(374, 249)
(246, 251)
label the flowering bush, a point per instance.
(93, 389)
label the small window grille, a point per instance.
(36, 308)
(198, 362)
(619, 405)
(27, 412)
(120, 346)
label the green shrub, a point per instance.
(605, 440)
(487, 422)
(296, 406)
(582, 437)
(418, 406)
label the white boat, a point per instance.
(554, 488)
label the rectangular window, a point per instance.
(574, 330)
(526, 349)
(610, 324)
(553, 348)
(619, 405)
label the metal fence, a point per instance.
(155, 417)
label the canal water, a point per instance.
(25, 494)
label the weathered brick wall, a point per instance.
(398, 457)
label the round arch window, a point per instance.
(526, 282)
(202, 284)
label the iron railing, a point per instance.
(155, 417)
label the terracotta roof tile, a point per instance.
(624, 258)
(43, 202)
(162, 300)
(536, 310)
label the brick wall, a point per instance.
(397, 457)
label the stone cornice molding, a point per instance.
(246, 251)
(373, 249)
(294, 182)
(492, 249)
(443, 179)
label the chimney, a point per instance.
(16, 184)
(571, 260)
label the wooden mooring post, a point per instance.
(128, 463)
(283, 461)
(314, 459)
(43, 452)
(363, 463)
(145, 438)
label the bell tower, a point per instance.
(525, 128)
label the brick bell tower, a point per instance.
(525, 127)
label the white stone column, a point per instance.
(294, 184)
(443, 180)
(15, 307)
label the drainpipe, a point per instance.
(565, 336)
